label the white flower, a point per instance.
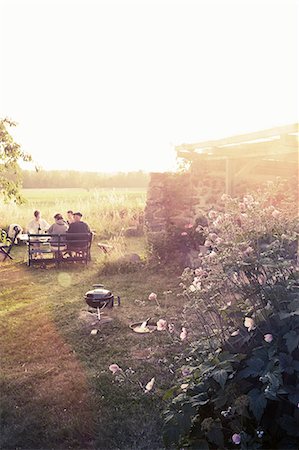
(249, 323)
(161, 325)
(184, 386)
(149, 385)
(235, 333)
(152, 296)
(183, 334)
(171, 327)
(268, 338)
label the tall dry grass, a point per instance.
(108, 212)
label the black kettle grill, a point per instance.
(100, 297)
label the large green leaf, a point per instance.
(257, 403)
(253, 369)
(292, 340)
(215, 435)
(220, 376)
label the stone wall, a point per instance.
(174, 202)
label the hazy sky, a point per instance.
(115, 85)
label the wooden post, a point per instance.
(229, 176)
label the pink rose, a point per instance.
(248, 199)
(224, 197)
(183, 334)
(212, 215)
(249, 323)
(212, 255)
(276, 214)
(161, 325)
(114, 368)
(236, 438)
(249, 250)
(268, 338)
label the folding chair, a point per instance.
(7, 244)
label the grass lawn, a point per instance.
(56, 388)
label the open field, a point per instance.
(106, 210)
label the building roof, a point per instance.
(273, 143)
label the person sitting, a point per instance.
(37, 225)
(60, 227)
(70, 217)
(78, 226)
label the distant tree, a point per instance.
(10, 155)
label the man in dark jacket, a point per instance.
(78, 226)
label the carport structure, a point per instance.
(262, 155)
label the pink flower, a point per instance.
(212, 255)
(161, 325)
(249, 323)
(261, 279)
(212, 214)
(224, 197)
(114, 368)
(149, 385)
(268, 338)
(276, 214)
(188, 225)
(249, 250)
(212, 236)
(248, 199)
(236, 438)
(183, 334)
(186, 371)
(152, 296)
(184, 233)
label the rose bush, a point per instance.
(243, 329)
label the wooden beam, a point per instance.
(257, 150)
(238, 139)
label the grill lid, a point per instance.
(99, 294)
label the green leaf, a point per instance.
(257, 403)
(220, 376)
(289, 424)
(253, 369)
(216, 435)
(292, 340)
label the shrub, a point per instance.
(242, 316)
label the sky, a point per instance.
(115, 85)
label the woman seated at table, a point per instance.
(37, 225)
(60, 227)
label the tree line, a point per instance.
(86, 180)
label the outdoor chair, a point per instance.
(7, 243)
